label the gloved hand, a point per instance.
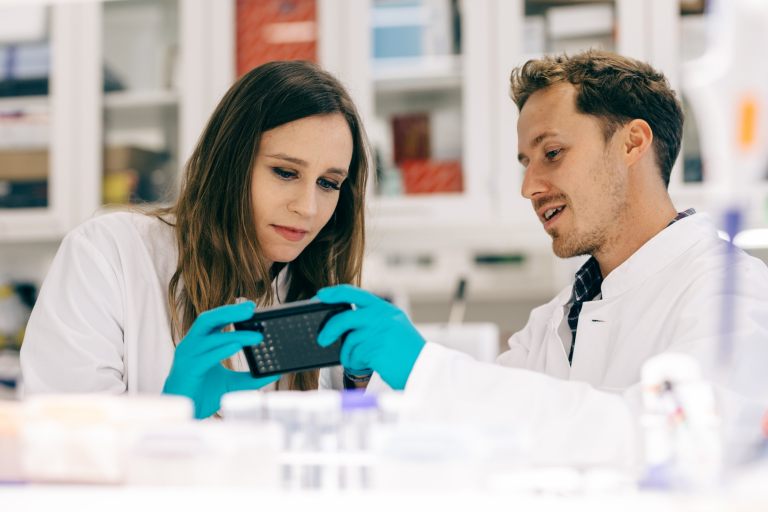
(197, 371)
(381, 338)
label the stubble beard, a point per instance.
(603, 233)
(578, 244)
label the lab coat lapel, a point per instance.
(555, 361)
(596, 335)
(593, 342)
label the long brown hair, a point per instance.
(219, 255)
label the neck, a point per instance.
(641, 222)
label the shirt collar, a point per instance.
(658, 252)
(588, 282)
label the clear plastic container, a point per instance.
(310, 422)
(359, 415)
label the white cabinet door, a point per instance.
(419, 72)
(394, 60)
(45, 135)
(132, 84)
(165, 65)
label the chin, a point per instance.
(282, 256)
(570, 248)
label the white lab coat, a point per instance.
(665, 298)
(101, 322)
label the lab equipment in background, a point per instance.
(416, 79)
(571, 28)
(134, 174)
(728, 89)
(208, 453)
(10, 442)
(427, 457)
(15, 309)
(459, 303)
(27, 67)
(413, 28)
(682, 437)
(88, 438)
(10, 374)
(309, 424)
(14, 313)
(245, 406)
(478, 339)
(23, 170)
(359, 416)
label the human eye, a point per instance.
(283, 174)
(553, 154)
(328, 185)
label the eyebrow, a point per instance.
(298, 161)
(535, 142)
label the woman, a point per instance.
(271, 209)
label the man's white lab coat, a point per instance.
(101, 321)
(666, 297)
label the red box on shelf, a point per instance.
(432, 176)
(270, 30)
(410, 134)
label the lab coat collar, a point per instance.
(657, 253)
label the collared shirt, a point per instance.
(586, 287)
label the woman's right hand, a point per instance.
(197, 371)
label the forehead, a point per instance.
(322, 129)
(551, 110)
(318, 143)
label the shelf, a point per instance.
(141, 99)
(23, 102)
(417, 73)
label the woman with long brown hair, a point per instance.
(271, 209)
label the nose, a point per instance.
(533, 183)
(304, 201)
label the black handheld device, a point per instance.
(290, 338)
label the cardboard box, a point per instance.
(32, 164)
(23, 164)
(120, 158)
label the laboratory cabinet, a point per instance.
(132, 82)
(101, 104)
(419, 67)
(431, 78)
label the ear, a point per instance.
(637, 141)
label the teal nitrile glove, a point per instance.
(197, 371)
(380, 336)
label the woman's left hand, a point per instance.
(197, 371)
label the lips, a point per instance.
(550, 212)
(290, 233)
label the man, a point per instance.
(598, 135)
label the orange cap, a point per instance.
(747, 122)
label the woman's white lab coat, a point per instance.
(101, 321)
(665, 298)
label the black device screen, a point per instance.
(290, 338)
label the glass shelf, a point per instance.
(557, 27)
(25, 123)
(417, 76)
(141, 114)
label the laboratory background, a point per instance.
(101, 103)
